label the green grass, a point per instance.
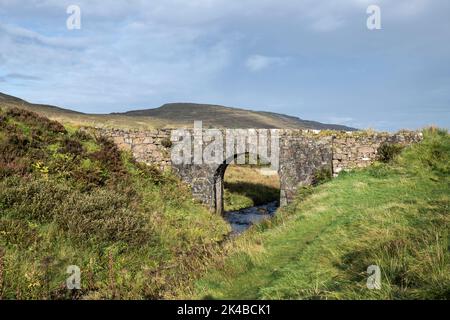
(67, 198)
(392, 215)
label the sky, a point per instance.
(315, 59)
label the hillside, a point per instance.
(67, 198)
(10, 101)
(171, 116)
(395, 216)
(226, 117)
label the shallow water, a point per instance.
(241, 220)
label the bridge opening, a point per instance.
(246, 193)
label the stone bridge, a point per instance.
(302, 154)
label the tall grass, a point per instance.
(67, 198)
(393, 215)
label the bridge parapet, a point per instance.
(360, 149)
(147, 146)
(302, 153)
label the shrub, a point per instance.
(151, 172)
(17, 232)
(34, 199)
(81, 135)
(33, 119)
(13, 147)
(14, 167)
(103, 215)
(388, 151)
(90, 174)
(19, 141)
(12, 151)
(166, 143)
(71, 146)
(36, 134)
(322, 175)
(109, 155)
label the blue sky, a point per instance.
(309, 58)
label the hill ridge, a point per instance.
(185, 111)
(174, 114)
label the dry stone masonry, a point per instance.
(145, 146)
(302, 154)
(359, 149)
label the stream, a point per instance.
(241, 220)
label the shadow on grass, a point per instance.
(258, 193)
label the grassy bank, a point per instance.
(392, 215)
(67, 198)
(245, 187)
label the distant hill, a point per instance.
(227, 117)
(174, 115)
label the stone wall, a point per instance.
(302, 154)
(145, 146)
(359, 149)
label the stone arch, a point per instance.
(218, 183)
(218, 188)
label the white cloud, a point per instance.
(258, 62)
(134, 64)
(22, 34)
(137, 52)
